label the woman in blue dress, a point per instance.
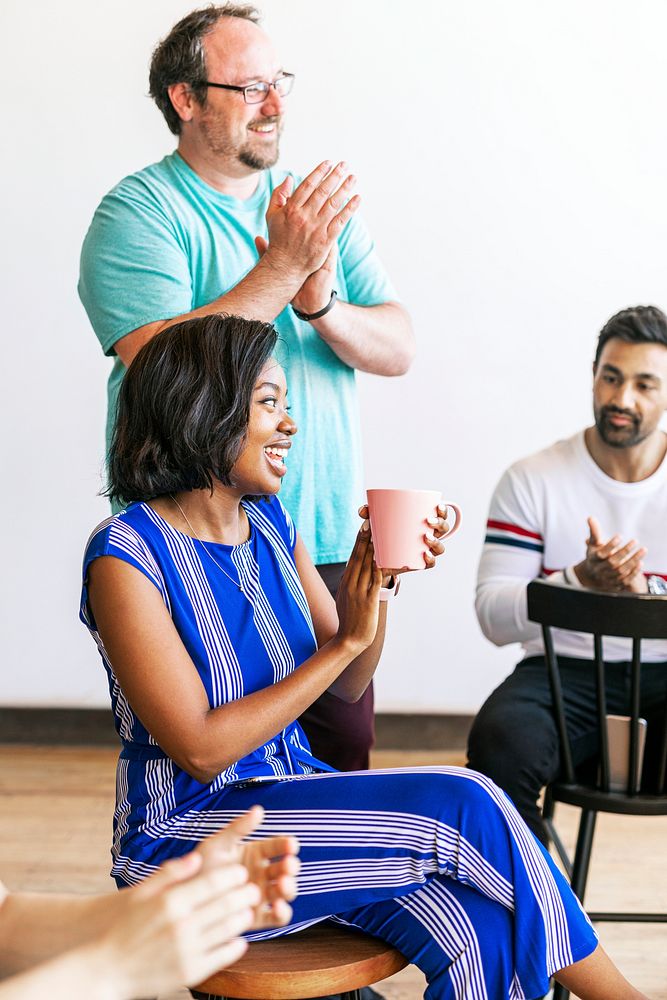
(216, 633)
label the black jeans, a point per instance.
(514, 739)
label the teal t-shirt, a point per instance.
(163, 243)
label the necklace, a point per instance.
(204, 545)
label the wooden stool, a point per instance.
(321, 960)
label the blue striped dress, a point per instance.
(435, 860)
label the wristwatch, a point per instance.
(657, 586)
(320, 312)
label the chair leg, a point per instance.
(560, 993)
(548, 809)
(582, 856)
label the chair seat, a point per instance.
(609, 802)
(315, 962)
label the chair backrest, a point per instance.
(632, 616)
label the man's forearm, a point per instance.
(502, 612)
(375, 339)
(500, 601)
(262, 294)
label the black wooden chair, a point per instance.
(636, 617)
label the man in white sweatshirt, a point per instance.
(590, 511)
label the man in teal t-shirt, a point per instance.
(214, 227)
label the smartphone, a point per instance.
(618, 737)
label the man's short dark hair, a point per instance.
(184, 406)
(638, 325)
(179, 58)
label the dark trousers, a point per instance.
(514, 739)
(340, 734)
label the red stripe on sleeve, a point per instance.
(504, 526)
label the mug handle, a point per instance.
(457, 518)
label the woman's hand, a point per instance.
(358, 598)
(439, 528)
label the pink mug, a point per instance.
(399, 522)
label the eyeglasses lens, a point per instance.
(257, 92)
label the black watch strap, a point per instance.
(320, 312)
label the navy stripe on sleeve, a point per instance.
(502, 540)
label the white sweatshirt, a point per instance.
(537, 527)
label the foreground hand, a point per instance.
(304, 224)
(611, 566)
(177, 927)
(271, 864)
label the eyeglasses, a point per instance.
(256, 93)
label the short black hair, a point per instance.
(184, 406)
(179, 58)
(637, 325)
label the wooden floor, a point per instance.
(55, 823)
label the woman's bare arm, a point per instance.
(163, 687)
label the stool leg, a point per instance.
(351, 995)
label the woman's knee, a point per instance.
(450, 794)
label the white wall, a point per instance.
(512, 159)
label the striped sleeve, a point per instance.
(514, 535)
(115, 537)
(511, 558)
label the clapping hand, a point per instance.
(304, 226)
(358, 597)
(185, 922)
(271, 863)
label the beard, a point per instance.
(258, 155)
(619, 437)
(258, 159)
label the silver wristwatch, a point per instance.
(657, 586)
